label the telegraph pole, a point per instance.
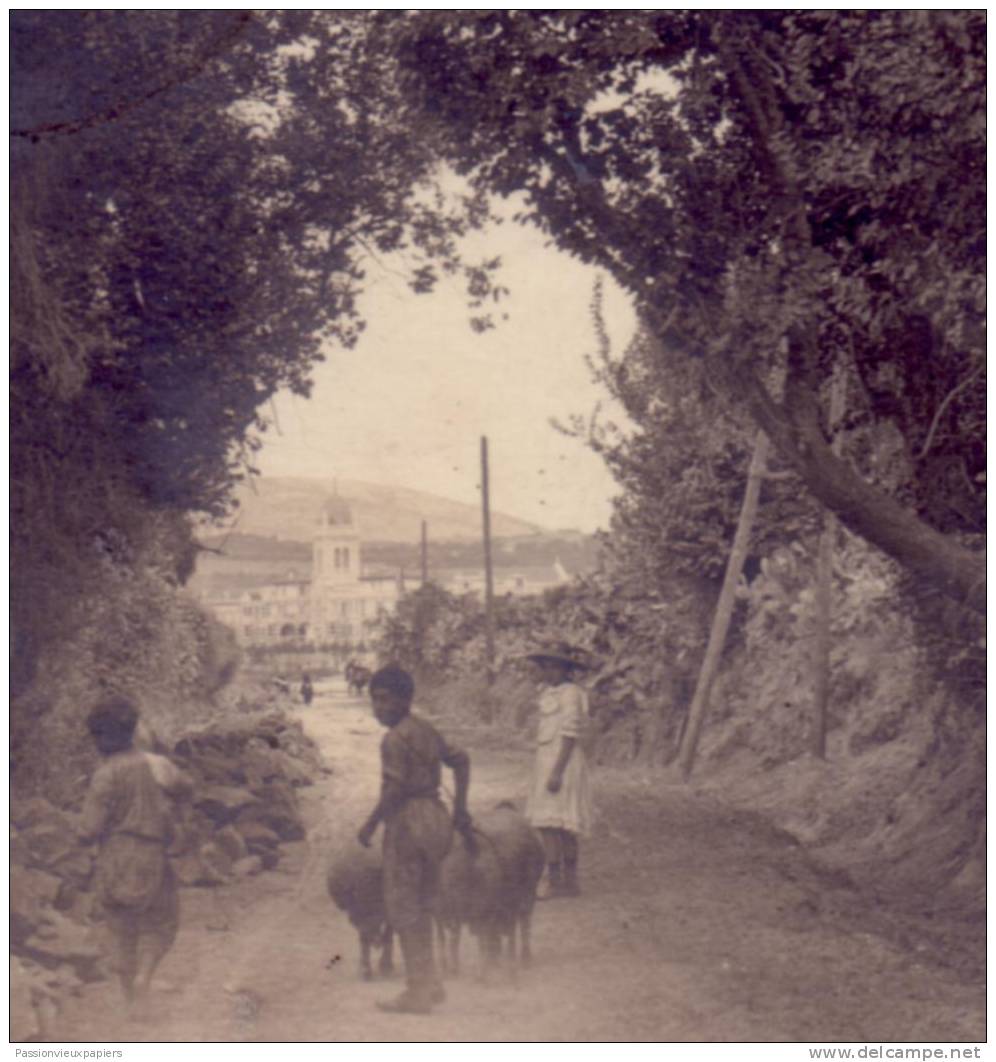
(425, 553)
(489, 603)
(724, 607)
(824, 583)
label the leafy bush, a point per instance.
(641, 644)
(132, 633)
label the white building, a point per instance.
(339, 604)
(344, 602)
(515, 581)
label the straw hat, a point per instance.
(561, 653)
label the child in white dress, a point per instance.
(559, 804)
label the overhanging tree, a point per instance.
(189, 219)
(781, 193)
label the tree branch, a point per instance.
(123, 107)
(949, 398)
(862, 507)
(765, 123)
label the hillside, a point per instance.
(287, 508)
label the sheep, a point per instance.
(355, 883)
(357, 677)
(489, 884)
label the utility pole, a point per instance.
(824, 585)
(724, 607)
(425, 553)
(489, 603)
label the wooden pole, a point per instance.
(824, 589)
(724, 607)
(425, 553)
(489, 619)
(821, 640)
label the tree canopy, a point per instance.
(784, 194)
(196, 204)
(189, 216)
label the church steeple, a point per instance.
(336, 511)
(336, 551)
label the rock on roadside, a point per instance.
(244, 773)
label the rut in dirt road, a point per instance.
(694, 925)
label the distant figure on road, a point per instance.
(307, 690)
(418, 830)
(126, 812)
(559, 803)
(357, 677)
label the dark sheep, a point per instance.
(357, 677)
(489, 884)
(355, 883)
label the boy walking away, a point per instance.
(559, 804)
(418, 830)
(126, 812)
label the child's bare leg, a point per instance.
(569, 846)
(455, 949)
(552, 844)
(449, 947)
(126, 976)
(154, 937)
(525, 945)
(119, 939)
(552, 880)
(150, 950)
(386, 966)
(366, 970)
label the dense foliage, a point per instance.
(201, 241)
(642, 641)
(785, 195)
(680, 463)
(789, 198)
(186, 208)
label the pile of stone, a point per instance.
(245, 802)
(244, 807)
(52, 949)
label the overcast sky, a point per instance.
(408, 405)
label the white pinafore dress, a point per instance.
(563, 712)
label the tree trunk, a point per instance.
(794, 429)
(796, 434)
(724, 607)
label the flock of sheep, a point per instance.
(487, 882)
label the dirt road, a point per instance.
(695, 924)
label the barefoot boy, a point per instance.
(127, 813)
(417, 829)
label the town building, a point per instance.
(340, 604)
(517, 581)
(345, 602)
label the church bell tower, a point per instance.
(336, 550)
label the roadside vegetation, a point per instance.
(792, 200)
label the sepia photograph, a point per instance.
(498, 530)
